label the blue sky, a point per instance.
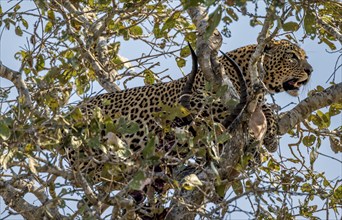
(242, 34)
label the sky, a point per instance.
(242, 34)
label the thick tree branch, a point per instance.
(213, 71)
(207, 49)
(255, 77)
(14, 198)
(288, 120)
(262, 41)
(19, 83)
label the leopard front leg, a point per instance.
(271, 139)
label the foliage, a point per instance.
(66, 53)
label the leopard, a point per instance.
(286, 69)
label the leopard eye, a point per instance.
(294, 56)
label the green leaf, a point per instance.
(237, 187)
(254, 22)
(138, 180)
(180, 62)
(16, 8)
(150, 147)
(69, 54)
(228, 20)
(48, 27)
(126, 127)
(5, 132)
(40, 63)
(232, 14)
(82, 84)
(29, 148)
(91, 3)
(185, 51)
(309, 140)
(290, 26)
(313, 156)
(171, 21)
(319, 88)
(293, 160)
(324, 118)
(249, 185)
(306, 187)
(310, 23)
(190, 37)
(24, 22)
(273, 165)
(77, 114)
(223, 138)
(298, 179)
(104, 3)
(213, 21)
(51, 15)
(8, 23)
(94, 143)
(221, 190)
(118, 63)
(338, 193)
(190, 3)
(136, 31)
(156, 31)
(330, 44)
(18, 31)
(335, 109)
(149, 77)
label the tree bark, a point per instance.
(289, 119)
(207, 49)
(19, 83)
(13, 197)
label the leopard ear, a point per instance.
(271, 45)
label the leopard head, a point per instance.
(286, 67)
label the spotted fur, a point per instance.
(286, 69)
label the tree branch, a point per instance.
(14, 198)
(288, 120)
(19, 83)
(333, 31)
(207, 50)
(256, 79)
(105, 78)
(214, 72)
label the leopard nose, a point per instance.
(308, 69)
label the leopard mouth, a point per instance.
(292, 86)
